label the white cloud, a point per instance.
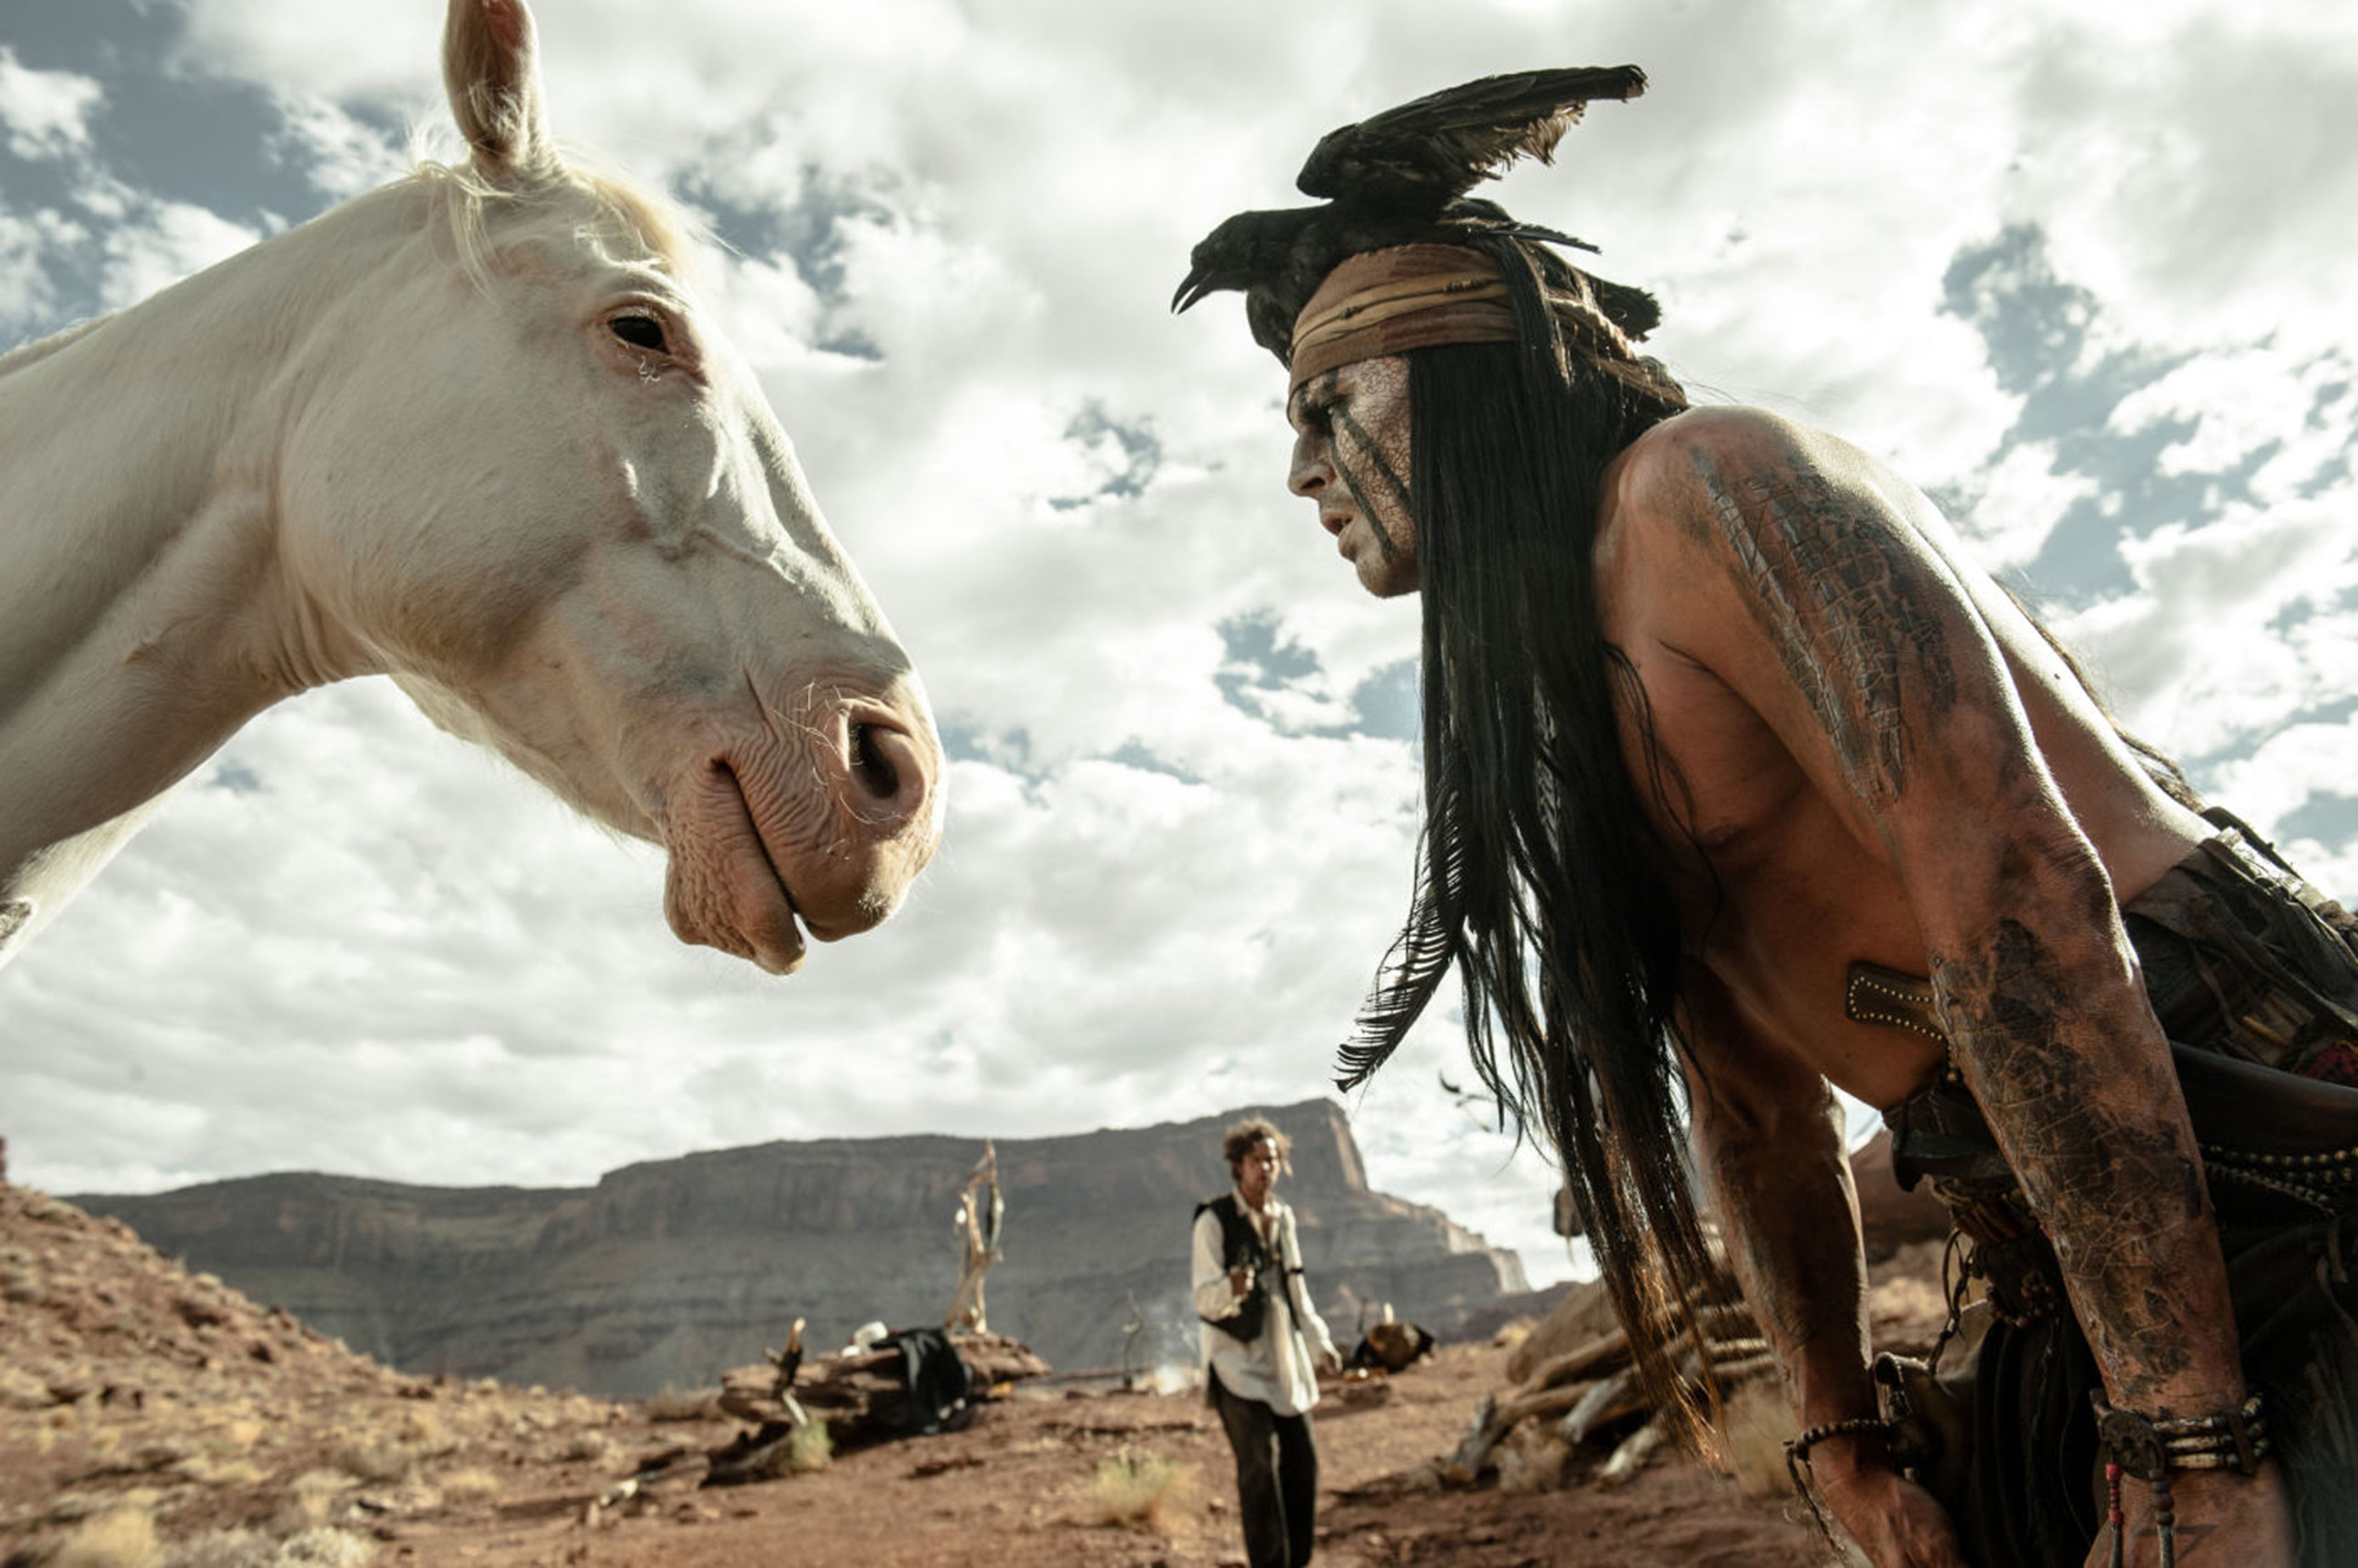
(27, 300)
(2244, 400)
(165, 242)
(2014, 504)
(2235, 628)
(340, 155)
(47, 112)
(2295, 765)
(398, 958)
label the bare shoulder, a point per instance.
(1732, 487)
(1700, 466)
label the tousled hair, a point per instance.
(1239, 1141)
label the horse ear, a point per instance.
(491, 66)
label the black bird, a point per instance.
(1401, 178)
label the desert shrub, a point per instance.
(806, 1448)
(22, 1391)
(379, 1461)
(315, 1548)
(311, 1501)
(811, 1447)
(120, 1538)
(475, 1485)
(580, 1410)
(325, 1549)
(591, 1447)
(1140, 1491)
(424, 1431)
(1753, 1429)
(233, 1433)
(224, 1549)
(202, 1471)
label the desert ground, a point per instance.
(153, 1419)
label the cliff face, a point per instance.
(665, 1273)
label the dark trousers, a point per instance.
(1277, 1478)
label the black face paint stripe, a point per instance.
(1384, 471)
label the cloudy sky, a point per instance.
(2088, 280)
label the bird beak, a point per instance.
(1190, 291)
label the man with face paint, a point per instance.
(1742, 784)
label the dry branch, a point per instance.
(1633, 1453)
(1594, 1388)
(1608, 1351)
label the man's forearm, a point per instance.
(1784, 1200)
(2075, 1080)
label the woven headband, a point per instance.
(1389, 301)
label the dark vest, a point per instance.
(1240, 1245)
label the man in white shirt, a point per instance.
(1263, 1343)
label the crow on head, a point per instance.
(1401, 178)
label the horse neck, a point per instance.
(144, 615)
(123, 438)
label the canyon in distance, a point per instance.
(667, 1272)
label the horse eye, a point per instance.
(640, 332)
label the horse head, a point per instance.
(530, 479)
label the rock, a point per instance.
(198, 1314)
(665, 1273)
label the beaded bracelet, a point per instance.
(1797, 1450)
(2148, 1450)
(1797, 1456)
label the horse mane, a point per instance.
(660, 227)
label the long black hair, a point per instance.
(1540, 879)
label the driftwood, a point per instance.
(1572, 1382)
(1593, 1390)
(859, 1394)
(983, 1209)
(1609, 1350)
(996, 1360)
(1631, 1455)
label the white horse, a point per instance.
(472, 431)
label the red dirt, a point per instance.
(125, 1382)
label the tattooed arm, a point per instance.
(1806, 585)
(1768, 1144)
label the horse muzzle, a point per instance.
(817, 825)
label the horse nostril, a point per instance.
(889, 785)
(870, 765)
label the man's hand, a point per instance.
(2221, 1519)
(1331, 1362)
(1895, 1522)
(1241, 1280)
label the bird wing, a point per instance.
(1441, 146)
